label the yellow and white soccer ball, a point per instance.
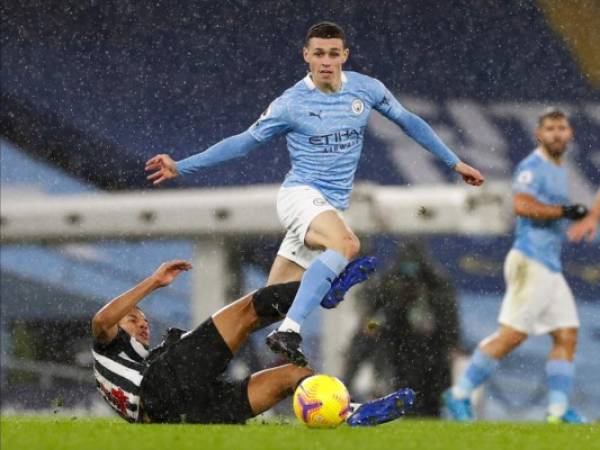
(321, 401)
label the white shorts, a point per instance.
(297, 207)
(537, 300)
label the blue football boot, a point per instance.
(459, 409)
(570, 416)
(383, 409)
(355, 272)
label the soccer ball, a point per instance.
(321, 401)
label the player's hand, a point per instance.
(469, 174)
(584, 229)
(168, 271)
(163, 168)
(574, 212)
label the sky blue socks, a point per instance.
(315, 284)
(480, 368)
(560, 374)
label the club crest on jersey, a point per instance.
(525, 177)
(357, 106)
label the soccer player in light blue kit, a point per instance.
(538, 299)
(324, 118)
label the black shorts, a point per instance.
(186, 383)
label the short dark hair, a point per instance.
(325, 30)
(551, 113)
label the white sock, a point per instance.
(289, 325)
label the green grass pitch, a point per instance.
(58, 433)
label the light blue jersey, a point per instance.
(541, 240)
(325, 134)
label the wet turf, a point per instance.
(54, 433)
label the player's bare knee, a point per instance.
(349, 246)
(354, 247)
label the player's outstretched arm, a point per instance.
(526, 205)
(588, 226)
(421, 132)
(163, 167)
(104, 322)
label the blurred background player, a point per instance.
(538, 299)
(182, 380)
(324, 117)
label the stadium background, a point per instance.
(90, 90)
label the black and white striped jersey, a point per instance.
(119, 367)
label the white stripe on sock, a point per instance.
(289, 325)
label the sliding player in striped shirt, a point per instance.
(182, 380)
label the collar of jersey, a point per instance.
(538, 151)
(310, 84)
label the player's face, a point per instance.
(136, 325)
(325, 58)
(554, 135)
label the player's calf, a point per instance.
(502, 342)
(268, 387)
(564, 343)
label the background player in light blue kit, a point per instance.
(324, 118)
(538, 299)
